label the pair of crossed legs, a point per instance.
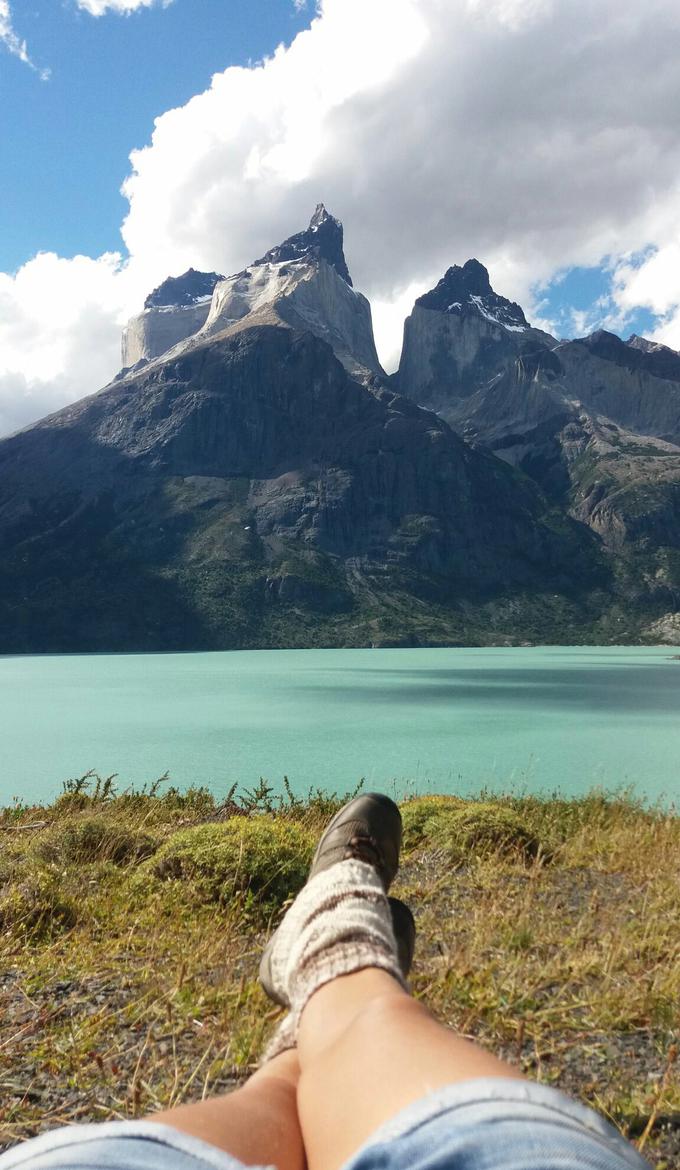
(356, 1052)
(357, 1070)
(365, 1051)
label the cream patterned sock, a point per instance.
(340, 922)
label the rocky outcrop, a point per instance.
(467, 291)
(303, 283)
(180, 292)
(305, 295)
(665, 631)
(637, 388)
(595, 421)
(322, 240)
(461, 336)
(178, 308)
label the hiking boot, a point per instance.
(367, 829)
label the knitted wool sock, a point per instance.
(340, 922)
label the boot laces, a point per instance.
(363, 847)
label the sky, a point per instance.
(141, 137)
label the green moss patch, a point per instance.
(468, 830)
(263, 858)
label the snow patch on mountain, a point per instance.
(501, 316)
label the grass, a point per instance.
(131, 926)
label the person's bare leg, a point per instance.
(257, 1123)
(367, 1050)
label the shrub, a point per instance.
(36, 906)
(86, 841)
(468, 829)
(416, 815)
(266, 859)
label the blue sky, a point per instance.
(579, 300)
(66, 141)
(499, 129)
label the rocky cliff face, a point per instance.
(460, 336)
(595, 421)
(305, 295)
(178, 308)
(303, 282)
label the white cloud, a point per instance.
(13, 42)
(652, 281)
(60, 323)
(101, 7)
(534, 134)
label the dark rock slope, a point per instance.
(250, 492)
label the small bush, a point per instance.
(92, 840)
(416, 815)
(37, 907)
(264, 858)
(468, 829)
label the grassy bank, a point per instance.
(131, 927)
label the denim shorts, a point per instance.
(493, 1123)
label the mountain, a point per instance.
(322, 240)
(252, 477)
(303, 283)
(173, 311)
(261, 483)
(594, 421)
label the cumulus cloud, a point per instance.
(101, 7)
(13, 42)
(60, 324)
(533, 134)
(653, 282)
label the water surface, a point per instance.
(536, 719)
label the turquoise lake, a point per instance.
(447, 720)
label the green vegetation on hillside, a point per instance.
(131, 927)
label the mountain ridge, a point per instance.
(262, 482)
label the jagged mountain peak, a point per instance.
(467, 289)
(320, 216)
(188, 289)
(469, 279)
(322, 239)
(289, 285)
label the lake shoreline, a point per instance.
(566, 719)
